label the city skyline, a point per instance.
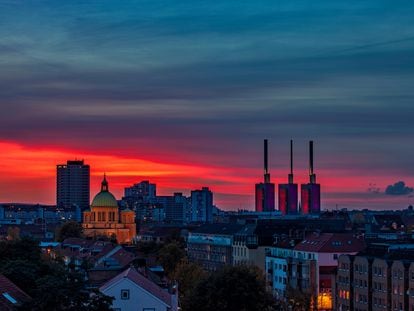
(178, 177)
(183, 94)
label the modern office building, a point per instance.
(175, 207)
(265, 192)
(288, 193)
(72, 185)
(311, 192)
(143, 191)
(202, 205)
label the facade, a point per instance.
(211, 245)
(362, 283)
(381, 283)
(18, 213)
(381, 279)
(246, 248)
(175, 207)
(310, 265)
(143, 191)
(311, 198)
(399, 285)
(132, 291)
(105, 218)
(344, 300)
(411, 287)
(288, 199)
(265, 197)
(73, 185)
(202, 205)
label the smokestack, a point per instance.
(290, 177)
(266, 164)
(311, 174)
(265, 157)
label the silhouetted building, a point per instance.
(202, 205)
(311, 192)
(288, 193)
(265, 192)
(175, 207)
(20, 213)
(143, 191)
(72, 185)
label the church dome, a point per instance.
(104, 198)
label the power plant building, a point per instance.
(288, 193)
(265, 192)
(311, 192)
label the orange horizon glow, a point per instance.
(29, 175)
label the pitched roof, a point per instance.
(141, 281)
(10, 294)
(331, 243)
(219, 229)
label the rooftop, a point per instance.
(141, 281)
(331, 243)
(11, 295)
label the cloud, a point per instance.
(399, 188)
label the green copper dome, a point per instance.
(104, 198)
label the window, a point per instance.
(124, 294)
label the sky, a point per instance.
(183, 93)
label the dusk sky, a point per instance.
(183, 93)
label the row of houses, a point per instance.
(306, 256)
(380, 278)
(117, 272)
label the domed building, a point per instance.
(105, 218)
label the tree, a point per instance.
(70, 229)
(50, 284)
(298, 300)
(169, 256)
(240, 288)
(13, 233)
(187, 275)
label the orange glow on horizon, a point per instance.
(28, 175)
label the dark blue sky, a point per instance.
(203, 82)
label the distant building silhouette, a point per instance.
(202, 205)
(265, 192)
(72, 185)
(311, 192)
(175, 206)
(288, 193)
(144, 192)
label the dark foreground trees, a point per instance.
(70, 229)
(239, 288)
(49, 283)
